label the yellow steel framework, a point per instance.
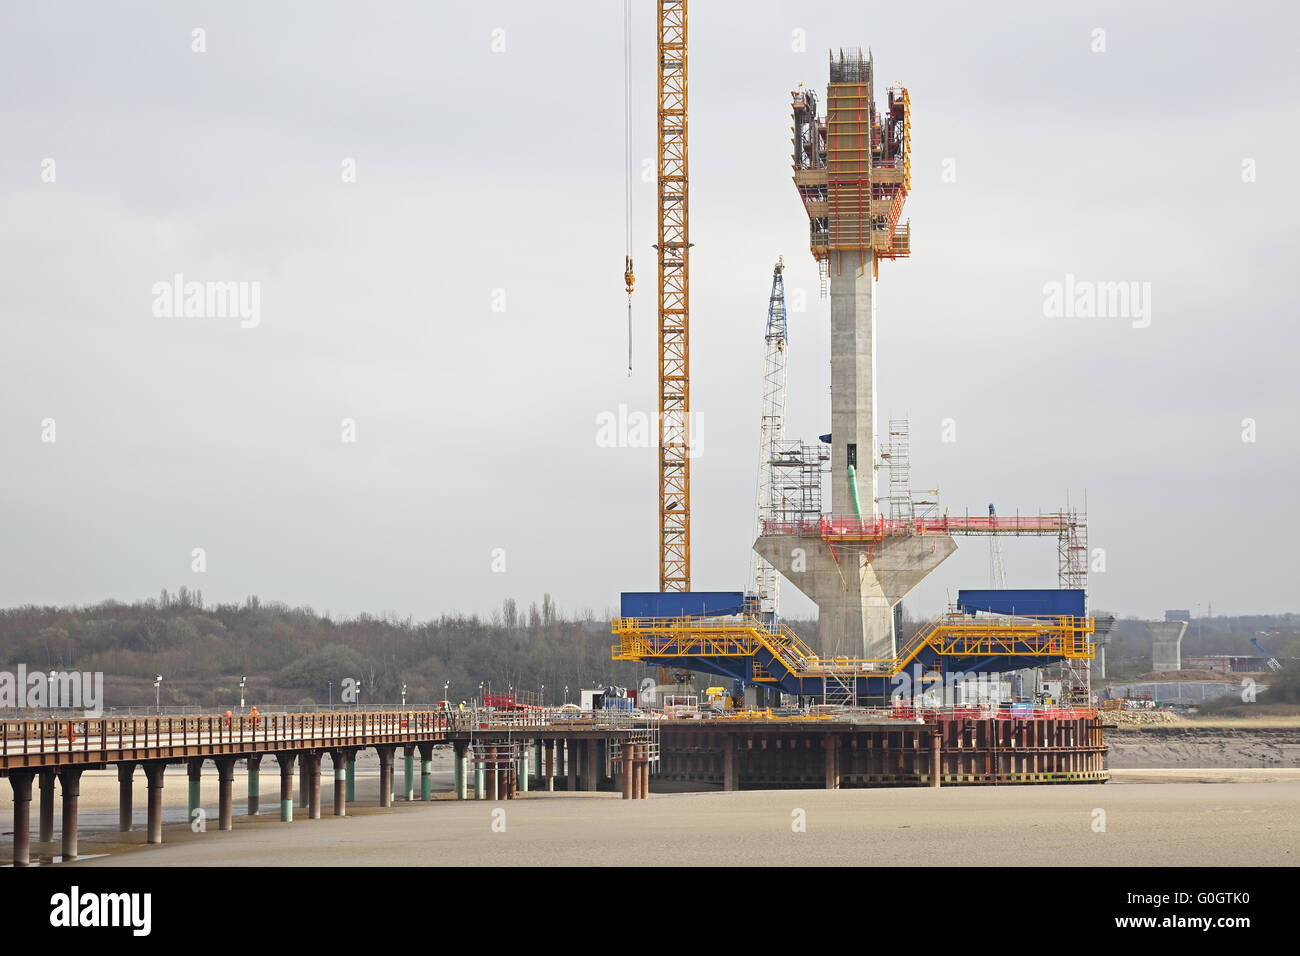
(949, 635)
(674, 296)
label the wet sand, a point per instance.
(1247, 819)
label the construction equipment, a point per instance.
(673, 250)
(1273, 663)
(767, 582)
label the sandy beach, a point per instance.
(1151, 817)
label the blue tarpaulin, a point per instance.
(681, 603)
(1033, 602)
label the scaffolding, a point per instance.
(771, 436)
(797, 471)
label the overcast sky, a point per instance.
(461, 301)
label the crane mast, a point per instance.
(771, 434)
(673, 250)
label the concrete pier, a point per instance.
(153, 775)
(386, 754)
(194, 806)
(125, 779)
(286, 762)
(408, 765)
(21, 782)
(426, 769)
(225, 792)
(45, 777)
(254, 785)
(339, 760)
(1166, 644)
(69, 793)
(311, 763)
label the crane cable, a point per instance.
(628, 277)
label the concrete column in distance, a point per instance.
(225, 792)
(386, 754)
(350, 770)
(69, 795)
(312, 759)
(45, 777)
(626, 771)
(125, 779)
(574, 755)
(339, 758)
(153, 776)
(936, 759)
(426, 770)
(194, 769)
(490, 772)
(525, 754)
(559, 758)
(831, 744)
(645, 771)
(286, 762)
(254, 785)
(21, 781)
(408, 764)
(550, 766)
(590, 770)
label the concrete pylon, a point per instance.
(1166, 644)
(856, 586)
(855, 589)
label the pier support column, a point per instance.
(831, 744)
(537, 762)
(480, 776)
(936, 759)
(153, 776)
(644, 766)
(386, 774)
(45, 777)
(69, 794)
(729, 762)
(304, 794)
(426, 770)
(590, 770)
(350, 778)
(125, 779)
(339, 759)
(408, 764)
(311, 759)
(550, 766)
(625, 771)
(460, 769)
(286, 762)
(574, 755)
(194, 767)
(254, 785)
(21, 781)
(225, 792)
(525, 755)
(559, 760)
(490, 771)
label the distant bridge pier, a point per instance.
(194, 768)
(386, 774)
(303, 786)
(425, 771)
(225, 792)
(254, 785)
(311, 764)
(350, 777)
(574, 755)
(591, 769)
(153, 775)
(408, 765)
(125, 780)
(286, 761)
(525, 752)
(21, 781)
(339, 760)
(46, 778)
(70, 794)
(831, 744)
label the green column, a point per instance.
(410, 775)
(426, 780)
(286, 811)
(537, 759)
(351, 778)
(195, 796)
(254, 787)
(480, 787)
(462, 775)
(523, 770)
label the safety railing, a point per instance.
(851, 526)
(262, 731)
